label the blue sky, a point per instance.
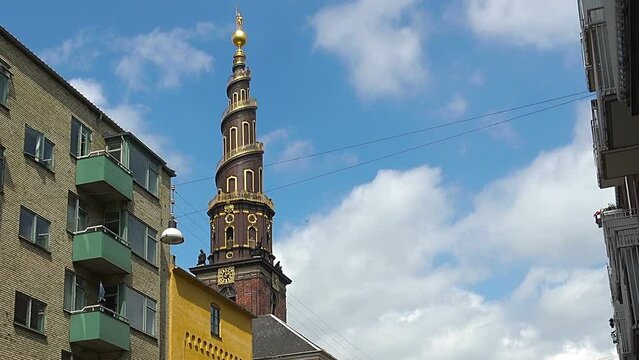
(498, 210)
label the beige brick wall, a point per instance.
(37, 99)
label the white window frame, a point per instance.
(33, 236)
(70, 300)
(80, 208)
(39, 153)
(2, 168)
(151, 167)
(147, 307)
(82, 147)
(4, 84)
(148, 238)
(29, 315)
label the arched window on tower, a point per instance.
(235, 97)
(259, 180)
(242, 94)
(246, 133)
(253, 132)
(231, 184)
(224, 149)
(233, 138)
(229, 240)
(252, 237)
(249, 180)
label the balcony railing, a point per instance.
(99, 329)
(239, 151)
(239, 75)
(600, 61)
(599, 143)
(246, 103)
(623, 331)
(242, 195)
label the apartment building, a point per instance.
(610, 31)
(82, 202)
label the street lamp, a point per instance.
(172, 235)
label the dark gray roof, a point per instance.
(272, 338)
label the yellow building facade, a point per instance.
(203, 324)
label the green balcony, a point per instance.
(103, 177)
(101, 251)
(99, 329)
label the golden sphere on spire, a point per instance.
(239, 38)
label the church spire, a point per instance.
(239, 39)
(242, 264)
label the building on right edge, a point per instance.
(609, 32)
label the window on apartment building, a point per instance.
(113, 298)
(141, 311)
(34, 228)
(114, 147)
(215, 320)
(29, 312)
(77, 213)
(4, 84)
(38, 147)
(80, 138)
(145, 171)
(142, 238)
(74, 291)
(1, 169)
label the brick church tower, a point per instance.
(241, 264)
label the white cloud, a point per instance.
(544, 24)
(168, 52)
(131, 118)
(380, 42)
(159, 59)
(456, 107)
(377, 258)
(91, 89)
(274, 136)
(79, 51)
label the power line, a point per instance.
(199, 213)
(327, 325)
(425, 145)
(189, 230)
(420, 146)
(373, 141)
(423, 129)
(317, 337)
(320, 329)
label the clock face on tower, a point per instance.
(226, 275)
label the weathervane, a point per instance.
(239, 21)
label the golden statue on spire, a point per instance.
(239, 37)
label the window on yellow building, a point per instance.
(215, 320)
